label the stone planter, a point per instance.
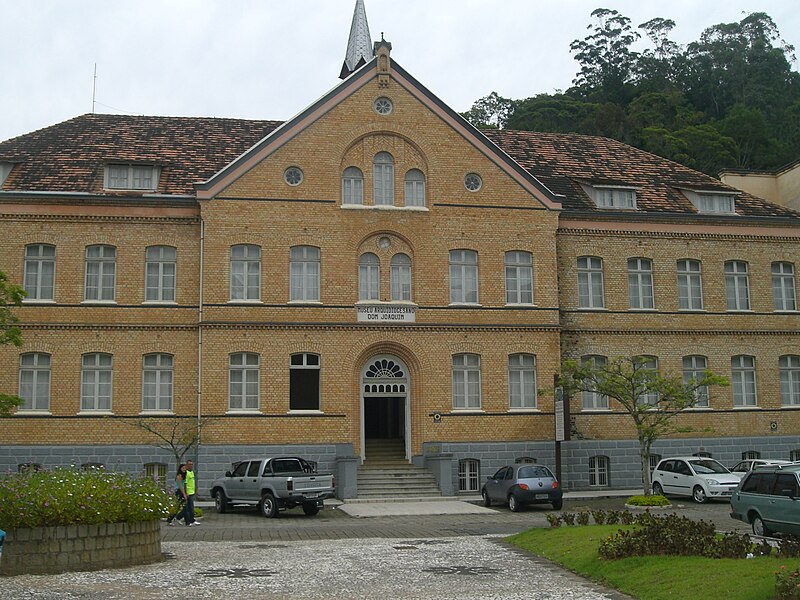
(42, 550)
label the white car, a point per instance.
(697, 477)
(743, 467)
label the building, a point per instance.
(377, 269)
(781, 186)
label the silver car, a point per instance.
(522, 484)
(743, 467)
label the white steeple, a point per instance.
(359, 45)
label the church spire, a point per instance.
(359, 46)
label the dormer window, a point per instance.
(612, 197)
(5, 169)
(131, 177)
(711, 202)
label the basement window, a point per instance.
(131, 177)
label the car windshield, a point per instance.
(531, 472)
(705, 467)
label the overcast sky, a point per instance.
(268, 59)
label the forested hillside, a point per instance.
(728, 100)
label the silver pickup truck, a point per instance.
(273, 484)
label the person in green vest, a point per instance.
(188, 515)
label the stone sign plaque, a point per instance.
(386, 313)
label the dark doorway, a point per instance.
(384, 418)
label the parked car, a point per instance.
(694, 476)
(273, 484)
(522, 484)
(769, 499)
(741, 469)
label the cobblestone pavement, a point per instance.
(243, 555)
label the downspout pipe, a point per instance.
(200, 341)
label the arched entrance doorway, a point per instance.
(385, 407)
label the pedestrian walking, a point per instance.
(180, 494)
(190, 493)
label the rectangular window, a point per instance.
(131, 177)
(160, 266)
(101, 273)
(158, 473)
(96, 372)
(598, 471)
(157, 377)
(40, 267)
(690, 285)
(737, 285)
(743, 380)
(522, 381)
(614, 198)
(243, 381)
(640, 283)
(790, 380)
(594, 400)
(304, 267)
(469, 475)
(245, 272)
(783, 294)
(463, 277)
(519, 277)
(694, 368)
(304, 382)
(34, 381)
(712, 203)
(590, 282)
(466, 381)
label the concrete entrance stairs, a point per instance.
(386, 475)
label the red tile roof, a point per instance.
(71, 156)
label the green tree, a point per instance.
(177, 435)
(700, 147)
(657, 68)
(490, 112)
(651, 399)
(11, 296)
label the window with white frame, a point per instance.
(131, 177)
(590, 282)
(743, 380)
(40, 268)
(34, 381)
(711, 202)
(690, 285)
(101, 273)
(469, 475)
(648, 397)
(157, 378)
(304, 371)
(598, 471)
(369, 277)
(243, 381)
(640, 283)
(245, 272)
(694, 368)
(783, 293)
(519, 277)
(401, 278)
(96, 375)
(466, 381)
(383, 176)
(157, 472)
(352, 186)
(653, 461)
(751, 455)
(592, 400)
(414, 184)
(160, 268)
(463, 277)
(304, 264)
(737, 285)
(608, 197)
(790, 379)
(522, 381)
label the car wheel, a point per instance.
(657, 489)
(514, 504)
(220, 502)
(310, 508)
(487, 502)
(699, 495)
(557, 504)
(269, 508)
(759, 528)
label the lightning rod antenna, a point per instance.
(94, 86)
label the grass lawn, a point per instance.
(654, 577)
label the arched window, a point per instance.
(694, 368)
(101, 273)
(243, 381)
(469, 475)
(737, 285)
(157, 378)
(39, 276)
(790, 380)
(648, 397)
(783, 294)
(304, 381)
(369, 277)
(245, 272)
(590, 282)
(743, 380)
(463, 277)
(383, 174)
(522, 381)
(352, 186)
(690, 285)
(415, 188)
(466, 381)
(519, 277)
(96, 382)
(640, 283)
(594, 400)
(401, 277)
(160, 262)
(34, 381)
(304, 264)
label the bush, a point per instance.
(568, 518)
(198, 512)
(599, 516)
(583, 518)
(75, 497)
(789, 547)
(674, 536)
(553, 519)
(787, 584)
(648, 501)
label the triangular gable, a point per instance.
(294, 126)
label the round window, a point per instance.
(473, 182)
(383, 106)
(293, 176)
